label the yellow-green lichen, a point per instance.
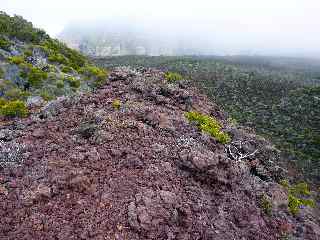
(116, 104)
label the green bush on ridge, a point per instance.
(208, 125)
(47, 80)
(36, 77)
(19, 28)
(59, 52)
(4, 43)
(173, 76)
(99, 75)
(16, 60)
(74, 83)
(1, 73)
(60, 84)
(298, 196)
(66, 69)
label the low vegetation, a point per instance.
(266, 205)
(17, 27)
(60, 53)
(208, 125)
(1, 73)
(36, 76)
(73, 82)
(173, 76)
(15, 93)
(4, 43)
(298, 196)
(116, 104)
(14, 108)
(67, 69)
(98, 75)
(16, 60)
(44, 66)
(60, 84)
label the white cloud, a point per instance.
(268, 24)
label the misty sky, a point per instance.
(235, 26)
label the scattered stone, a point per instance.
(42, 192)
(87, 130)
(6, 135)
(53, 108)
(3, 190)
(80, 183)
(38, 133)
(11, 152)
(35, 102)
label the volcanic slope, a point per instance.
(125, 163)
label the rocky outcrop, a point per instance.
(88, 170)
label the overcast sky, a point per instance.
(283, 26)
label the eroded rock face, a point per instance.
(155, 213)
(85, 170)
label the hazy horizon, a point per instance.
(286, 28)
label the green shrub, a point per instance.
(90, 70)
(15, 108)
(17, 27)
(25, 66)
(116, 104)
(5, 85)
(74, 83)
(36, 76)
(60, 84)
(58, 58)
(298, 196)
(52, 68)
(25, 69)
(15, 93)
(98, 74)
(46, 95)
(4, 44)
(266, 205)
(67, 69)
(55, 49)
(28, 53)
(2, 102)
(99, 82)
(295, 203)
(16, 60)
(208, 125)
(1, 73)
(173, 76)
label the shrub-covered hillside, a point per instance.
(36, 68)
(281, 103)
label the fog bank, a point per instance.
(287, 27)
